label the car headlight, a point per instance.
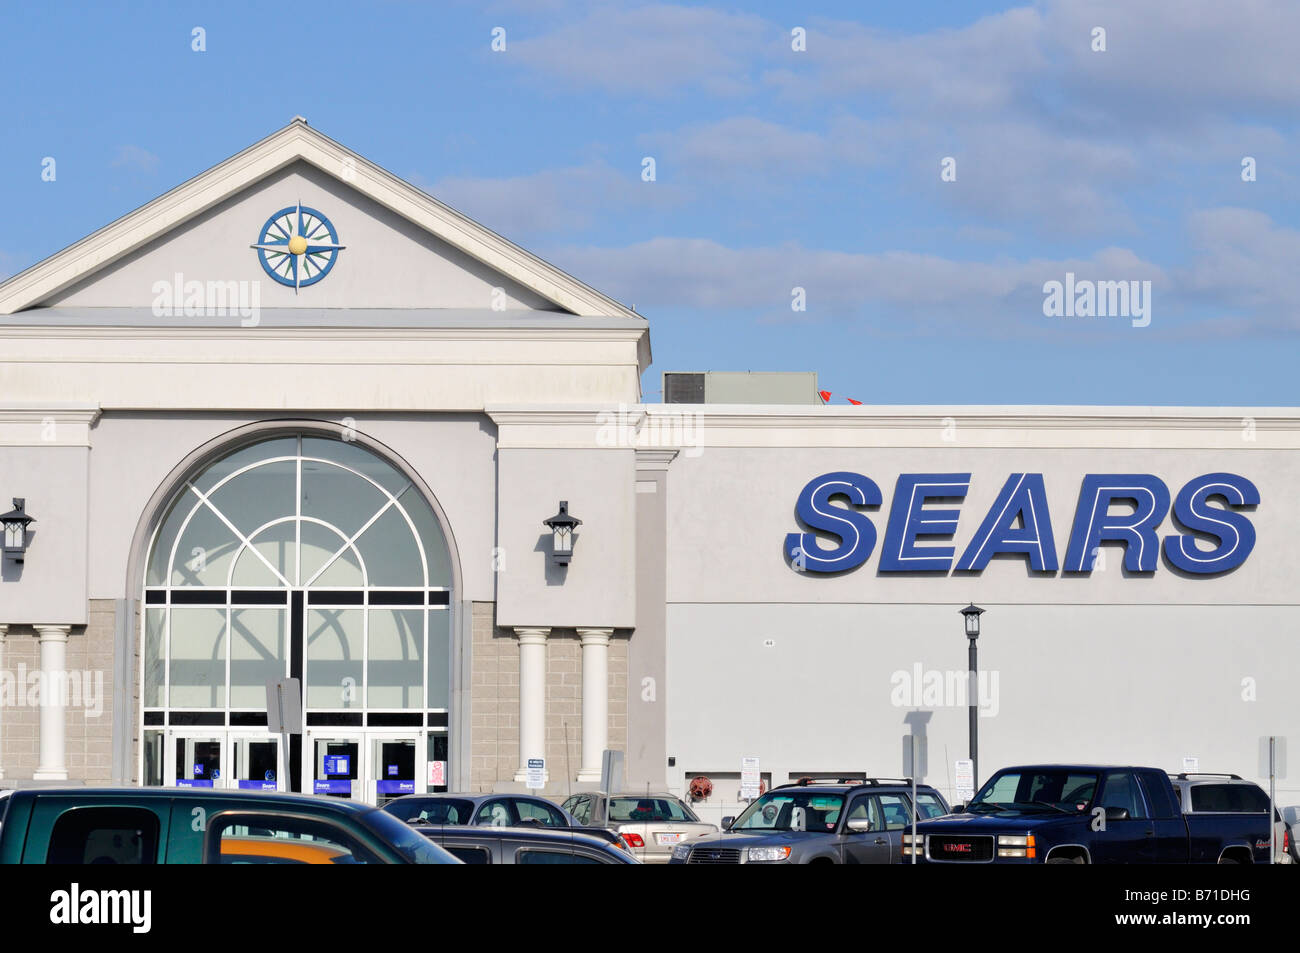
(1016, 845)
(909, 849)
(767, 854)
(681, 851)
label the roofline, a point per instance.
(300, 142)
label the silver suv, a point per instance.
(837, 821)
(1230, 794)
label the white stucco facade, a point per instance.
(494, 386)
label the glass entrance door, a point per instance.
(195, 760)
(396, 767)
(221, 759)
(335, 767)
(256, 763)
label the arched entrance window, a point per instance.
(301, 556)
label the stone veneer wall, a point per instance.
(88, 728)
(494, 720)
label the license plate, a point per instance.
(663, 839)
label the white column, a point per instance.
(4, 629)
(595, 700)
(54, 654)
(532, 697)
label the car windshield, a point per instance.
(928, 805)
(441, 810)
(411, 844)
(637, 810)
(1041, 790)
(792, 811)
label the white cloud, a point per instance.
(703, 274)
(1244, 260)
(743, 142)
(135, 159)
(553, 201)
(652, 50)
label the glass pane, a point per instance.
(436, 752)
(155, 623)
(396, 658)
(257, 654)
(198, 657)
(338, 497)
(430, 530)
(319, 543)
(162, 547)
(253, 499)
(251, 573)
(263, 450)
(206, 547)
(333, 669)
(153, 759)
(357, 458)
(279, 545)
(389, 552)
(439, 657)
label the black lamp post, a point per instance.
(15, 530)
(562, 526)
(971, 616)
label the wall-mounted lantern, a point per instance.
(15, 530)
(562, 526)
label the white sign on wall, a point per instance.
(964, 772)
(536, 776)
(437, 774)
(750, 779)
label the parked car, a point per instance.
(492, 810)
(497, 810)
(836, 821)
(1219, 794)
(525, 845)
(157, 826)
(1291, 816)
(1085, 814)
(652, 824)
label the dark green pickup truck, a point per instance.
(194, 826)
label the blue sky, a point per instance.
(775, 169)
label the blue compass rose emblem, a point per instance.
(298, 246)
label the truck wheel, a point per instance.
(1063, 860)
(1229, 860)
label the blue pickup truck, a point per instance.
(1086, 814)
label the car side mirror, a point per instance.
(859, 825)
(959, 809)
(1117, 814)
(728, 821)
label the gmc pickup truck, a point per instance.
(1086, 814)
(201, 826)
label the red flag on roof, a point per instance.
(825, 396)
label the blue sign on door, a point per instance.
(338, 764)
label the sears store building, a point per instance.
(297, 419)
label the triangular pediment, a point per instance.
(401, 248)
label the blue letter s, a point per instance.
(857, 535)
(1234, 532)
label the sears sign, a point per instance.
(1019, 522)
